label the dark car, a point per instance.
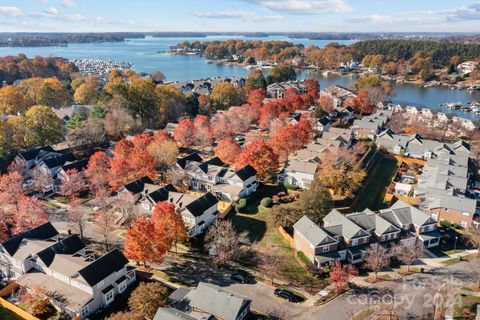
(242, 278)
(287, 295)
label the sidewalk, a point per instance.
(437, 262)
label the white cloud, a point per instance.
(234, 14)
(13, 12)
(305, 7)
(68, 3)
(53, 11)
(471, 12)
(384, 19)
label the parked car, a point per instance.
(287, 295)
(242, 278)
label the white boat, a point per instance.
(209, 62)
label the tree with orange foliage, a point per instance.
(170, 223)
(313, 87)
(205, 104)
(363, 103)
(124, 169)
(97, 173)
(202, 131)
(142, 242)
(261, 157)
(141, 141)
(228, 150)
(185, 133)
(31, 213)
(291, 138)
(11, 188)
(410, 130)
(257, 96)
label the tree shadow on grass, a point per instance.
(254, 228)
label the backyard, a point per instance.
(266, 239)
(466, 307)
(6, 314)
(377, 181)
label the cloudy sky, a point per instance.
(240, 15)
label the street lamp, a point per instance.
(455, 246)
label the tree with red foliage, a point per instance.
(290, 92)
(291, 138)
(123, 148)
(72, 184)
(267, 113)
(170, 223)
(257, 96)
(11, 188)
(261, 157)
(293, 102)
(313, 87)
(142, 242)
(222, 130)
(363, 103)
(228, 150)
(162, 135)
(203, 131)
(142, 164)
(31, 213)
(205, 104)
(141, 141)
(97, 173)
(341, 274)
(123, 169)
(185, 133)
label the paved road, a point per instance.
(411, 298)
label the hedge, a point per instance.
(266, 202)
(241, 204)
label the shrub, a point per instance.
(303, 258)
(241, 204)
(266, 202)
(446, 224)
(290, 186)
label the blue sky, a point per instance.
(240, 15)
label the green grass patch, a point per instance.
(372, 196)
(452, 261)
(6, 314)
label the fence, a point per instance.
(410, 161)
(389, 198)
(286, 236)
(19, 312)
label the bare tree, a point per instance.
(270, 264)
(42, 181)
(77, 216)
(223, 241)
(407, 253)
(376, 259)
(105, 220)
(119, 122)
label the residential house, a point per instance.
(67, 113)
(454, 209)
(64, 266)
(170, 127)
(198, 213)
(339, 94)
(132, 192)
(349, 236)
(368, 127)
(467, 67)
(277, 90)
(32, 157)
(299, 173)
(322, 125)
(207, 301)
(215, 176)
(150, 197)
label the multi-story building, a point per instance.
(81, 281)
(349, 236)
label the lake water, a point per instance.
(148, 55)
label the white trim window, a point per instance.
(85, 311)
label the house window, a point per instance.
(109, 296)
(85, 311)
(100, 284)
(463, 224)
(326, 249)
(354, 242)
(466, 214)
(122, 286)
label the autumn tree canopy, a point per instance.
(261, 157)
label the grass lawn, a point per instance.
(467, 307)
(372, 196)
(449, 262)
(6, 314)
(254, 220)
